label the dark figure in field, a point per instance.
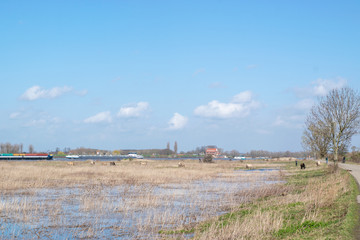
(296, 163)
(344, 159)
(112, 163)
(327, 160)
(302, 166)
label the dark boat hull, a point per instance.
(10, 156)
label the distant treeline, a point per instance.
(145, 152)
(268, 154)
(252, 153)
(14, 148)
(19, 148)
(197, 152)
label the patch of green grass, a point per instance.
(304, 227)
(225, 219)
(339, 219)
(175, 232)
(229, 217)
(351, 220)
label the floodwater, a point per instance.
(124, 212)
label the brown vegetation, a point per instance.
(120, 192)
(21, 175)
(181, 164)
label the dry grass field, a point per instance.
(44, 174)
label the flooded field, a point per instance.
(127, 207)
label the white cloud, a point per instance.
(243, 97)
(102, 117)
(323, 86)
(177, 122)
(320, 87)
(14, 115)
(240, 106)
(36, 92)
(44, 121)
(136, 110)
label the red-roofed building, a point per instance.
(212, 151)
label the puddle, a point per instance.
(258, 170)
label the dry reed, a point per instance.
(128, 200)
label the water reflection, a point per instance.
(126, 211)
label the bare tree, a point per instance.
(175, 147)
(316, 138)
(334, 120)
(31, 148)
(234, 153)
(11, 148)
(353, 149)
(168, 151)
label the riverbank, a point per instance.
(315, 203)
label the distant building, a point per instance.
(212, 151)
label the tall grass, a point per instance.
(20, 175)
(129, 200)
(315, 204)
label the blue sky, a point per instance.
(138, 74)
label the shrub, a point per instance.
(208, 158)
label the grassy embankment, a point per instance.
(315, 203)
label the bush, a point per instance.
(208, 159)
(354, 157)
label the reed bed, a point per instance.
(51, 199)
(20, 175)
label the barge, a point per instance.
(25, 156)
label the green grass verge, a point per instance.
(303, 219)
